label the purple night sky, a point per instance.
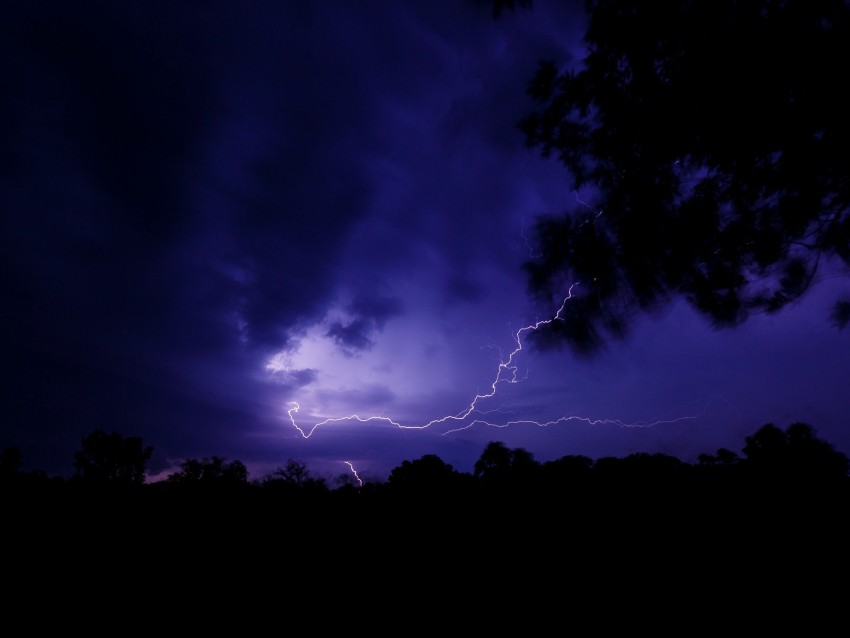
(211, 210)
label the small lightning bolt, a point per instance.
(532, 254)
(507, 372)
(586, 205)
(353, 471)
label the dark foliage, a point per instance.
(294, 477)
(780, 475)
(427, 474)
(708, 140)
(112, 458)
(780, 508)
(213, 470)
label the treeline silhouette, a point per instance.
(773, 460)
(781, 503)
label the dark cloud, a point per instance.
(176, 181)
(377, 309)
(352, 336)
(461, 290)
(107, 100)
(304, 377)
(368, 314)
(293, 378)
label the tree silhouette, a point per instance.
(495, 460)
(211, 470)
(709, 160)
(572, 469)
(794, 454)
(723, 458)
(294, 475)
(499, 6)
(112, 458)
(500, 466)
(428, 474)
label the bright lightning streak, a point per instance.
(353, 471)
(589, 421)
(506, 373)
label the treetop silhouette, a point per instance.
(708, 142)
(215, 469)
(112, 458)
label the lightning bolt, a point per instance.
(353, 471)
(505, 373)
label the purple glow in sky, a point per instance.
(212, 210)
